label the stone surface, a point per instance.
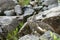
(49, 3)
(7, 4)
(8, 24)
(29, 37)
(48, 13)
(28, 11)
(46, 36)
(9, 12)
(18, 10)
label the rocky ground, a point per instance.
(39, 24)
(40, 20)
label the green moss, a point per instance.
(54, 36)
(24, 2)
(12, 35)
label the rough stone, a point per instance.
(8, 24)
(18, 10)
(7, 4)
(29, 37)
(48, 13)
(28, 11)
(49, 3)
(46, 36)
(9, 12)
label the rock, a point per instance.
(49, 3)
(49, 36)
(18, 10)
(48, 13)
(7, 4)
(37, 8)
(8, 24)
(46, 36)
(9, 12)
(28, 11)
(29, 37)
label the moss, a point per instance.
(23, 2)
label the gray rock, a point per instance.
(7, 4)
(37, 8)
(9, 12)
(50, 3)
(28, 11)
(46, 36)
(8, 24)
(48, 13)
(18, 9)
(29, 37)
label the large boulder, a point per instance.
(48, 13)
